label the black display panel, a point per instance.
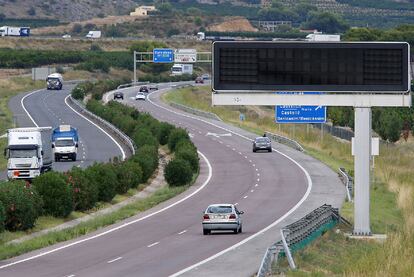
(305, 66)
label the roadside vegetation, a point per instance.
(54, 197)
(392, 194)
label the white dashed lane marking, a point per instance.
(114, 260)
(182, 232)
(151, 245)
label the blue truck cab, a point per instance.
(65, 141)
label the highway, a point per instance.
(168, 239)
(48, 108)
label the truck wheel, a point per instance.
(74, 157)
(56, 158)
(206, 232)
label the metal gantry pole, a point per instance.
(135, 68)
(362, 154)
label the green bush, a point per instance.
(22, 205)
(85, 193)
(178, 172)
(175, 136)
(105, 179)
(129, 175)
(187, 154)
(147, 158)
(144, 137)
(56, 194)
(2, 217)
(165, 130)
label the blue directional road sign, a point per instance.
(163, 55)
(300, 114)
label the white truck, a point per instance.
(180, 69)
(29, 152)
(14, 31)
(323, 37)
(54, 81)
(94, 34)
(65, 141)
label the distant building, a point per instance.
(142, 10)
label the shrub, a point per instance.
(175, 136)
(144, 137)
(147, 158)
(178, 172)
(105, 179)
(129, 175)
(2, 217)
(187, 154)
(22, 205)
(85, 193)
(56, 194)
(165, 130)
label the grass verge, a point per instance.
(392, 192)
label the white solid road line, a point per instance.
(116, 143)
(245, 197)
(153, 244)
(305, 196)
(114, 260)
(182, 232)
(210, 174)
(24, 108)
(73, 275)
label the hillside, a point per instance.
(64, 10)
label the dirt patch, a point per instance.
(235, 24)
(99, 22)
(7, 73)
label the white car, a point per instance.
(140, 96)
(66, 36)
(222, 217)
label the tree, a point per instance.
(77, 28)
(391, 125)
(361, 34)
(326, 22)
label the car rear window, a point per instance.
(219, 210)
(262, 140)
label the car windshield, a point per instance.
(64, 142)
(23, 153)
(262, 140)
(219, 210)
(140, 94)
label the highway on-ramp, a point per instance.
(168, 239)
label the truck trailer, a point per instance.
(94, 34)
(29, 152)
(14, 31)
(65, 141)
(180, 69)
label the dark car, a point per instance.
(118, 95)
(262, 143)
(144, 89)
(199, 80)
(153, 87)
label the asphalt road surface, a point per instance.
(168, 238)
(48, 108)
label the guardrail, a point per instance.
(132, 84)
(299, 234)
(286, 141)
(195, 111)
(348, 182)
(120, 135)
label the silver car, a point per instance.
(262, 143)
(222, 217)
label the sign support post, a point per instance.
(135, 68)
(362, 151)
